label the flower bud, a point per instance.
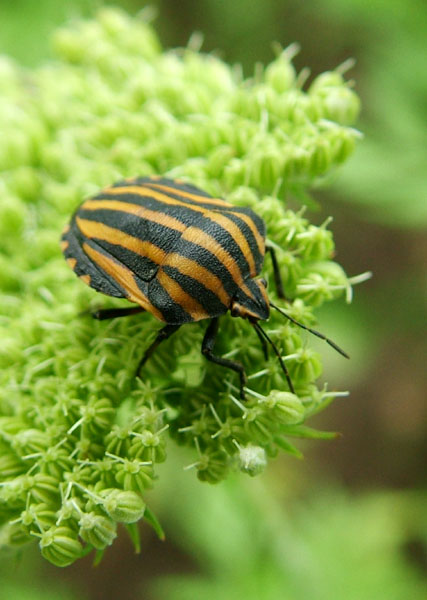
(60, 546)
(132, 475)
(326, 80)
(218, 158)
(30, 440)
(315, 243)
(44, 488)
(341, 105)
(10, 466)
(38, 516)
(123, 506)
(212, 466)
(97, 530)
(286, 408)
(97, 415)
(14, 535)
(148, 446)
(306, 366)
(257, 423)
(252, 460)
(265, 168)
(280, 74)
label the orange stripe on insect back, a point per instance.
(189, 195)
(145, 192)
(137, 210)
(258, 237)
(204, 240)
(237, 236)
(219, 202)
(124, 277)
(64, 244)
(100, 231)
(71, 262)
(192, 268)
(180, 297)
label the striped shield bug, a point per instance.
(178, 253)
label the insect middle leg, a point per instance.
(162, 335)
(207, 350)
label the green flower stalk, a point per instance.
(80, 436)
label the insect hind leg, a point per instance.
(207, 351)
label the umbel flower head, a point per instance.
(80, 436)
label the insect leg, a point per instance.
(207, 350)
(276, 271)
(162, 335)
(260, 331)
(263, 343)
(112, 313)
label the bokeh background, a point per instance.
(350, 521)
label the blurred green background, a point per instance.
(350, 521)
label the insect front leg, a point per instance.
(162, 335)
(263, 343)
(276, 272)
(207, 350)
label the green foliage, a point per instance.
(334, 546)
(388, 178)
(80, 436)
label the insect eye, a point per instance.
(264, 282)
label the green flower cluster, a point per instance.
(80, 436)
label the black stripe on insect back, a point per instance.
(208, 260)
(172, 312)
(184, 214)
(173, 192)
(181, 212)
(248, 234)
(142, 266)
(216, 203)
(164, 238)
(138, 227)
(211, 303)
(221, 235)
(187, 210)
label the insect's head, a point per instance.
(254, 307)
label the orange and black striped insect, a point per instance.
(178, 253)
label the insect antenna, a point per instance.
(262, 334)
(313, 331)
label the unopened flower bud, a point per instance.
(60, 546)
(123, 506)
(97, 530)
(252, 460)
